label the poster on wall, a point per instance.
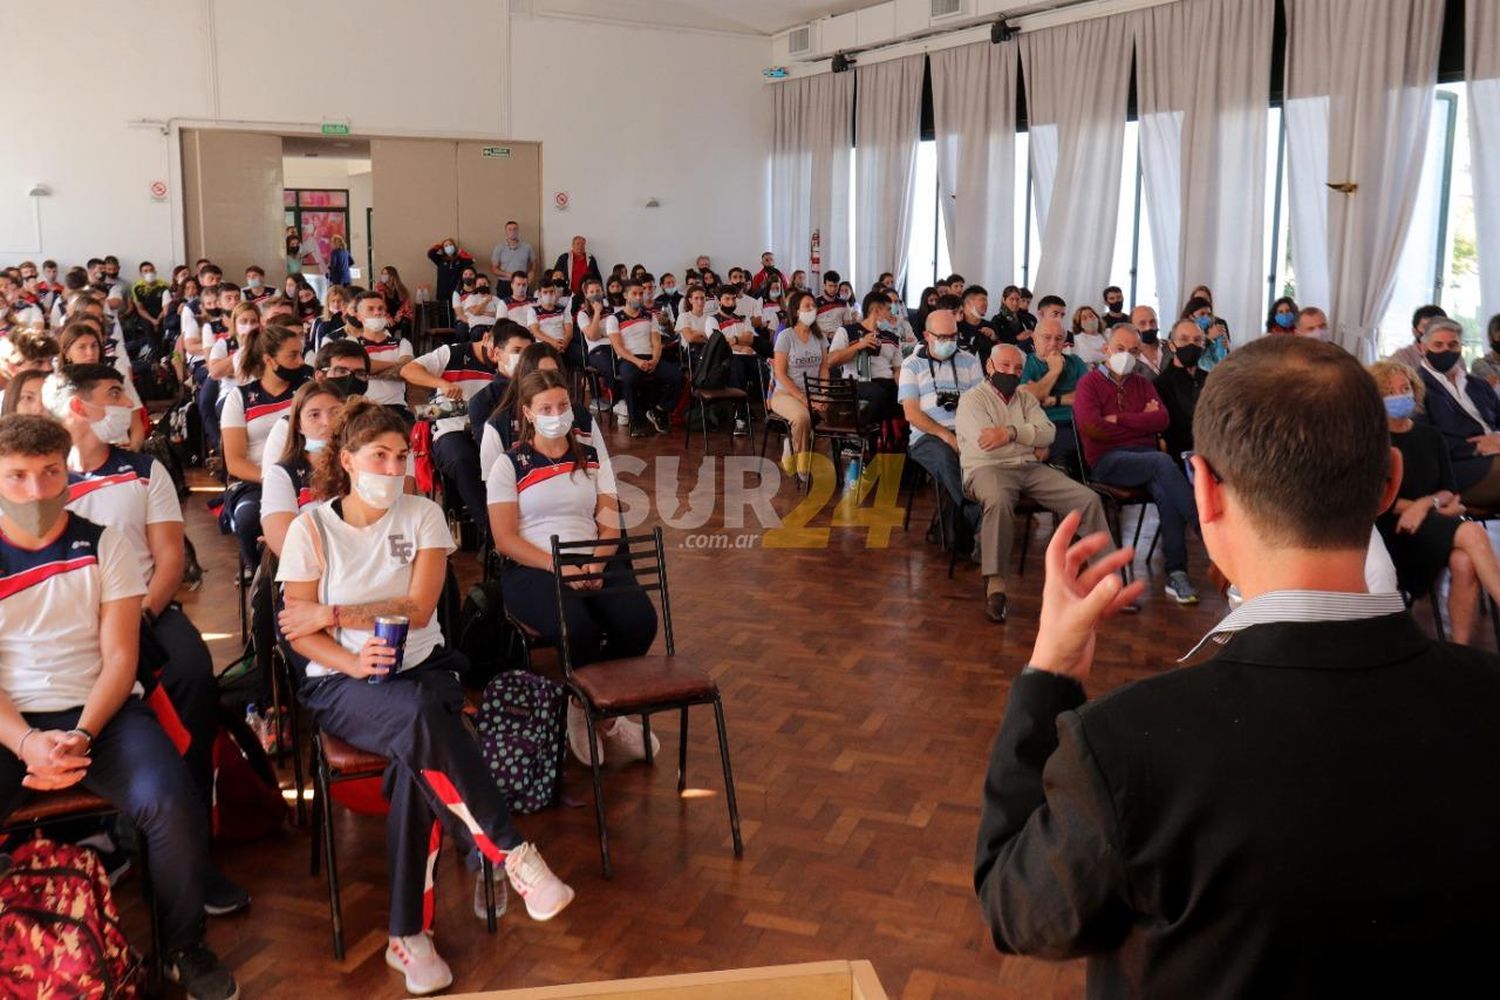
(319, 215)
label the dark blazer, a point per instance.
(1314, 812)
(1456, 426)
(564, 264)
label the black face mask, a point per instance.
(1189, 355)
(1004, 383)
(352, 384)
(1443, 360)
(1115, 307)
(1150, 336)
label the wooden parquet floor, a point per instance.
(862, 688)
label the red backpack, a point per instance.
(60, 933)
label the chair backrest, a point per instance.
(638, 565)
(838, 397)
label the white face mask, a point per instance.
(148, 276)
(245, 329)
(508, 363)
(378, 490)
(114, 426)
(375, 324)
(1318, 333)
(449, 249)
(554, 425)
(1122, 363)
(807, 317)
(313, 445)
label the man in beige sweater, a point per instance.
(1002, 435)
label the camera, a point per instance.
(948, 400)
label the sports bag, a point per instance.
(520, 727)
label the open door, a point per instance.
(232, 200)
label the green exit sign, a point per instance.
(501, 151)
(335, 128)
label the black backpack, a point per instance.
(483, 635)
(712, 371)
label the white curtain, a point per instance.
(1203, 75)
(1482, 72)
(1376, 63)
(887, 128)
(974, 117)
(810, 168)
(1076, 81)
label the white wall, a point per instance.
(688, 123)
(460, 67)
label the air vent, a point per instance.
(943, 9)
(800, 40)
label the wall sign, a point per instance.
(159, 190)
(501, 151)
(560, 201)
(335, 128)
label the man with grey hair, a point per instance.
(1465, 410)
(1119, 415)
(1146, 326)
(1003, 435)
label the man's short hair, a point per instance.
(1443, 325)
(1116, 289)
(1051, 300)
(506, 330)
(1295, 428)
(875, 300)
(548, 285)
(950, 302)
(646, 278)
(83, 378)
(256, 269)
(367, 297)
(1427, 312)
(32, 435)
(630, 283)
(94, 262)
(1307, 312)
(341, 348)
(973, 290)
(832, 276)
(213, 269)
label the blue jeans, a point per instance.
(136, 768)
(1162, 476)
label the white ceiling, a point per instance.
(761, 17)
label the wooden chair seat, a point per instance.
(46, 806)
(348, 761)
(727, 394)
(619, 686)
(1122, 494)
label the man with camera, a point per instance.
(931, 382)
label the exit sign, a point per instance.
(501, 151)
(335, 128)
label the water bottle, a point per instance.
(852, 473)
(862, 365)
(256, 723)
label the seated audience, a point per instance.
(800, 351)
(398, 303)
(738, 332)
(1087, 335)
(638, 348)
(1412, 355)
(591, 347)
(369, 324)
(1465, 410)
(339, 575)
(1200, 309)
(1114, 307)
(1282, 319)
(833, 309)
(870, 352)
(975, 334)
(1424, 529)
(1003, 435)
(1051, 377)
(1119, 415)
(287, 484)
(23, 394)
(501, 427)
(554, 323)
(932, 381)
(552, 483)
(69, 712)
(1180, 384)
(1312, 322)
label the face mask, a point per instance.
(595, 297)
(375, 324)
(1122, 363)
(294, 248)
(553, 426)
(148, 276)
(548, 299)
(35, 517)
(1443, 360)
(114, 425)
(518, 294)
(1115, 306)
(886, 326)
(1150, 336)
(313, 445)
(449, 249)
(245, 329)
(1400, 407)
(1005, 384)
(775, 291)
(253, 282)
(807, 317)
(1189, 355)
(1090, 326)
(508, 364)
(1204, 322)
(350, 384)
(377, 490)
(942, 350)
(668, 289)
(1285, 320)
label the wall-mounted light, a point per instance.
(653, 203)
(38, 191)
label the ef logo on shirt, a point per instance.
(401, 549)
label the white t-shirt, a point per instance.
(882, 365)
(279, 494)
(521, 311)
(456, 364)
(635, 331)
(127, 492)
(366, 565)
(386, 392)
(491, 447)
(256, 411)
(49, 613)
(218, 352)
(584, 318)
(732, 326)
(481, 310)
(553, 496)
(552, 322)
(688, 320)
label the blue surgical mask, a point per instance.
(886, 326)
(1400, 407)
(1204, 322)
(1285, 320)
(313, 445)
(942, 350)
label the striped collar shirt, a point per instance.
(1300, 606)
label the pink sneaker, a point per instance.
(425, 970)
(544, 894)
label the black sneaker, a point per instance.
(201, 975)
(221, 897)
(659, 420)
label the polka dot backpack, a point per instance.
(520, 725)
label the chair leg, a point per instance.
(335, 907)
(294, 727)
(1026, 541)
(682, 754)
(598, 793)
(734, 806)
(488, 869)
(1135, 543)
(1437, 613)
(1155, 537)
(646, 734)
(315, 813)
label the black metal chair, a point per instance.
(838, 417)
(76, 803)
(640, 685)
(1116, 499)
(735, 399)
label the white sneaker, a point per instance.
(425, 970)
(544, 894)
(741, 429)
(621, 410)
(501, 896)
(578, 735)
(625, 740)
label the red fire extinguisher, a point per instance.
(816, 260)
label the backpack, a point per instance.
(60, 933)
(520, 727)
(482, 633)
(247, 797)
(712, 371)
(185, 433)
(158, 445)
